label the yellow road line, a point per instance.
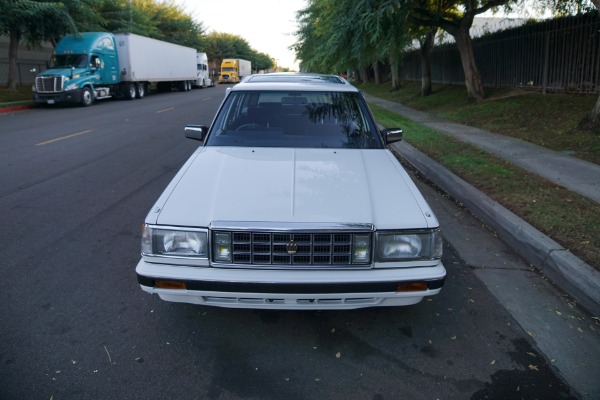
(63, 138)
(166, 109)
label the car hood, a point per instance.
(292, 185)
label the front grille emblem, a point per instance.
(291, 247)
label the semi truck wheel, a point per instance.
(141, 90)
(130, 91)
(87, 97)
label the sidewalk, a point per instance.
(568, 272)
(577, 175)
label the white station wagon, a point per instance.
(292, 201)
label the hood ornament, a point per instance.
(291, 247)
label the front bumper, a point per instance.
(291, 289)
(71, 96)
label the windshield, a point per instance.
(294, 119)
(227, 69)
(70, 60)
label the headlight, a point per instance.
(222, 246)
(401, 246)
(174, 242)
(361, 251)
(71, 86)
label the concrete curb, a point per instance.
(15, 108)
(568, 272)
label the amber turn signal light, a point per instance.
(169, 285)
(411, 287)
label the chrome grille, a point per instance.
(49, 84)
(309, 249)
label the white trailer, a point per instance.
(143, 60)
(245, 67)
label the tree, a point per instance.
(171, 22)
(33, 21)
(337, 35)
(262, 62)
(159, 20)
(123, 16)
(225, 45)
(387, 26)
(319, 37)
(456, 17)
(308, 33)
(426, 42)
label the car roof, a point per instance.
(295, 81)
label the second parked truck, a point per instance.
(97, 65)
(233, 70)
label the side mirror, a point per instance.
(392, 135)
(196, 132)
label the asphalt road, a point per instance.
(75, 186)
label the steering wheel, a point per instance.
(249, 126)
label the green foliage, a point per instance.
(225, 45)
(262, 61)
(566, 7)
(35, 21)
(160, 20)
(84, 14)
(336, 35)
(122, 16)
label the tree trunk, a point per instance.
(376, 73)
(364, 75)
(595, 113)
(426, 48)
(395, 74)
(467, 58)
(13, 46)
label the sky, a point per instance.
(267, 25)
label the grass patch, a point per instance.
(21, 97)
(548, 120)
(567, 217)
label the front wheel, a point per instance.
(87, 97)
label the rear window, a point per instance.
(294, 119)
